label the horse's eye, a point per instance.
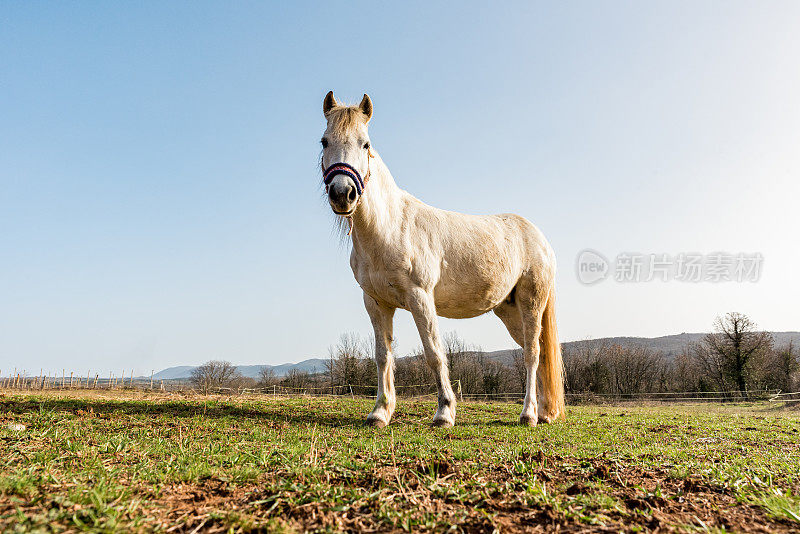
(324, 143)
(366, 145)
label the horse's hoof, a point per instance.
(526, 420)
(442, 423)
(374, 422)
(545, 419)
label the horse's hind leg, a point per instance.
(508, 312)
(530, 301)
(423, 309)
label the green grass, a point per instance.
(152, 463)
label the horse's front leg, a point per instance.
(423, 308)
(381, 318)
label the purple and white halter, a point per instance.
(347, 170)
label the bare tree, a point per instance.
(586, 367)
(267, 377)
(455, 348)
(466, 363)
(634, 369)
(297, 380)
(214, 374)
(520, 370)
(411, 373)
(241, 382)
(782, 366)
(597, 367)
(685, 374)
(495, 377)
(731, 353)
(349, 364)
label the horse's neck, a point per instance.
(378, 216)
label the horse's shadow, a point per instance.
(275, 412)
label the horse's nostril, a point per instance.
(351, 195)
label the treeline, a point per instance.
(350, 369)
(735, 358)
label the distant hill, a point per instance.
(670, 346)
(174, 373)
(182, 372)
(314, 365)
(677, 343)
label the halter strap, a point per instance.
(347, 170)
(352, 172)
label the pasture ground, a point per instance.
(102, 461)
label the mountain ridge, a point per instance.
(670, 345)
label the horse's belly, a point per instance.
(470, 298)
(460, 313)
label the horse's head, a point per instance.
(345, 153)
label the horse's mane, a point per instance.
(344, 119)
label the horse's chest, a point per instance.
(385, 283)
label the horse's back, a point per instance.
(537, 248)
(482, 258)
(505, 236)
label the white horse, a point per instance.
(432, 262)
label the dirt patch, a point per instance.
(653, 500)
(583, 495)
(300, 479)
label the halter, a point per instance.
(352, 172)
(347, 170)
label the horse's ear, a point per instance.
(366, 106)
(329, 103)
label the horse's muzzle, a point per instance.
(342, 195)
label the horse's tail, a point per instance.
(551, 366)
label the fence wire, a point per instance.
(19, 381)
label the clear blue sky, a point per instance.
(159, 185)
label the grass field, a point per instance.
(194, 464)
